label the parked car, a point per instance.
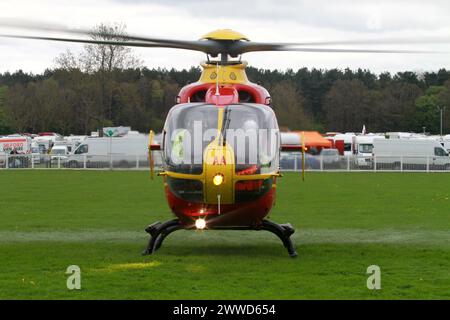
(293, 160)
(330, 156)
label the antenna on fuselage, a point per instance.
(217, 80)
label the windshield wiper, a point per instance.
(225, 124)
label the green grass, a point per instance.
(344, 223)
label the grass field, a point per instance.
(345, 222)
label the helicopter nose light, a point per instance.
(200, 223)
(218, 179)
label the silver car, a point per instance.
(330, 156)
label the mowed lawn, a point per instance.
(344, 223)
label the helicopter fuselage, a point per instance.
(220, 147)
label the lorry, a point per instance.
(22, 144)
(17, 148)
(105, 152)
(410, 154)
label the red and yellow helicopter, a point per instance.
(220, 144)
(226, 188)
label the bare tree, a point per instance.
(67, 61)
(104, 58)
(101, 60)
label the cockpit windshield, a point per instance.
(251, 130)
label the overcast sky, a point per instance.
(276, 20)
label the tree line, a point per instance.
(107, 85)
(70, 100)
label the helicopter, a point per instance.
(220, 143)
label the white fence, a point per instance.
(73, 162)
(293, 162)
(288, 162)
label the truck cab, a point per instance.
(363, 149)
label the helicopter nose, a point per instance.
(219, 168)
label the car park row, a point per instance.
(129, 150)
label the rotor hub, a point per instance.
(224, 34)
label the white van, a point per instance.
(411, 152)
(364, 149)
(447, 145)
(446, 142)
(59, 154)
(106, 151)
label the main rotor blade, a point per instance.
(416, 40)
(267, 46)
(291, 48)
(231, 50)
(213, 47)
(203, 46)
(34, 25)
(245, 47)
(360, 50)
(205, 49)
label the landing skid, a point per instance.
(159, 231)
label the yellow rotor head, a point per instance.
(224, 34)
